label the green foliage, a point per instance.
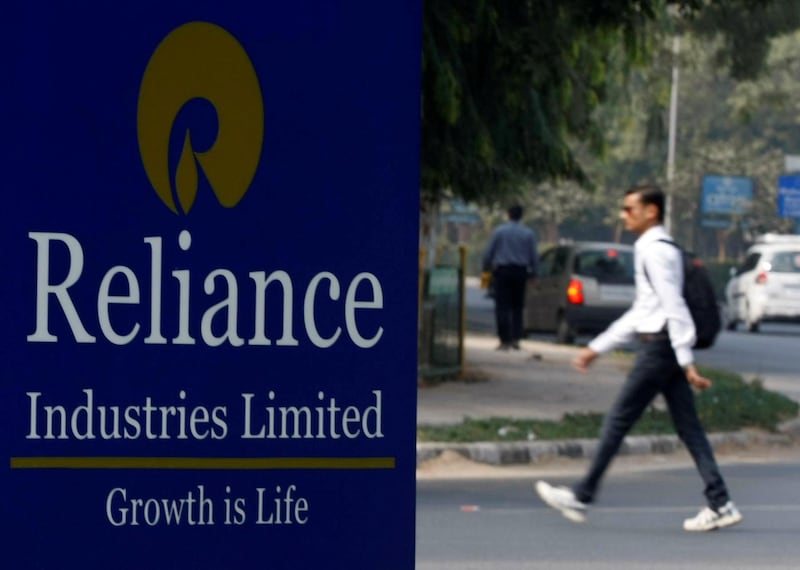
(746, 30)
(731, 404)
(514, 92)
(505, 84)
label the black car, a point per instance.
(582, 287)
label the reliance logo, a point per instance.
(201, 60)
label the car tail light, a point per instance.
(761, 278)
(575, 292)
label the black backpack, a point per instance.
(698, 292)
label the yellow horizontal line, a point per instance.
(201, 463)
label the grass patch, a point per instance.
(731, 404)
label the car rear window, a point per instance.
(786, 262)
(606, 265)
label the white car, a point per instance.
(766, 287)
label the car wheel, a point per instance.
(564, 332)
(750, 323)
(729, 317)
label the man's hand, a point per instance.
(694, 378)
(584, 359)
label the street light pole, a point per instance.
(673, 127)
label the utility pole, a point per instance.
(673, 127)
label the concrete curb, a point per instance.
(527, 452)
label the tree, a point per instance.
(504, 83)
(509, 85)
(745, 31)
(724, 127)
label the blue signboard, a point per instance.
(789, 196)
(729, 195)
(208, 329)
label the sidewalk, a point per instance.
(539, 382)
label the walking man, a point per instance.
(512, 257)
(661, 321)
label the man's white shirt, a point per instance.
(659, 301)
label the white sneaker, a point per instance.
(709, 519)
(563, 500)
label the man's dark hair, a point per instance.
(650, 194)
(515, 212)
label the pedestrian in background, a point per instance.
(512, 258)
(660, 320)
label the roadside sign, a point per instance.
(789, 196)
(461, 213)
(209, 313)
(730, 195)
(443, 281)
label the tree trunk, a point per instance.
(722, 244)
(551, 232)
(430, 229)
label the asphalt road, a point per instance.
(499, 523)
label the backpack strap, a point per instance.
(644, 265)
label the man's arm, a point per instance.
(664, 268)
(619, 332)
(584, 359)
(695, 379)
(488, 255)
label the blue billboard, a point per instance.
(789, 196)
(209, 311)
(728, 195)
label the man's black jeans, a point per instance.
(655, 371)
(509, 299)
